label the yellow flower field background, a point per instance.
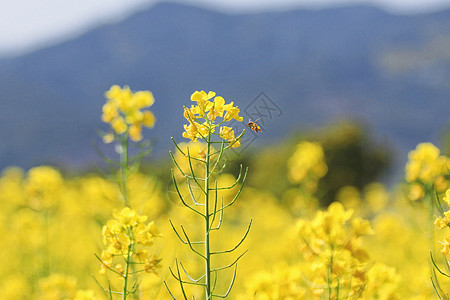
(63, 235)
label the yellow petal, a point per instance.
(149, 119)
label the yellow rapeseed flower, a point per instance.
(135, 132)
(232, 112)
(143, 99)
(307, 162)
(190, 132)
(444, 221)
(425, 164)
(148, 119)
(227, 133)
(217, 108)
(336, 251)
(109, 112)
(123, 234)
(128, 217)
(209, 111)
(447, 197)
(445, 245)
(202, 100)
(119, 125)
(124, 112)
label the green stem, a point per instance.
(47, 244)
(125, 281)
(207, 229)
(125, 195)
(330, 272)
(124, 168)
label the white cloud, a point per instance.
(28, 24)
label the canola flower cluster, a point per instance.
(332, 241)
(124, 112)
(206, 192)
(336, 264)
(307, 165)
(444, 222)
(122, 235)
(425, 170)
(201, 118)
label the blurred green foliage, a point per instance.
(352, 155)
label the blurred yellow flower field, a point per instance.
(84, 236)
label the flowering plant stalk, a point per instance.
(442, 222)
(126, 236)
(332, 241)
(124, 111)
(427, 171)
(203, 122)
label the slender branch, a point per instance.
(180, 281)
(181, 197)
(437, 268)
(179, 149)
(105, 290)
(436, 281)
(176, 145)
(180, 238)
(190, 244)
(435, 289)
(124, 167)
(184, 281)
(193, 174)
(235, 182)
(110, 291)
(190, 278)
(222, 168)
(192, 194)
(239, 192)
(220, 217)
(103, 156)
(230, 265)
(241, 241)
(215, 206)
(438, 203)
(168, 290)
(176, 164)
(215, 281)
(219, 157)
(137, 159)
(108, 267)
(231, 285)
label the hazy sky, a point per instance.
(30, 24)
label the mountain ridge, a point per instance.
(316, 65)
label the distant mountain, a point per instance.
(391, 71)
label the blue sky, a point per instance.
(31, 24)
